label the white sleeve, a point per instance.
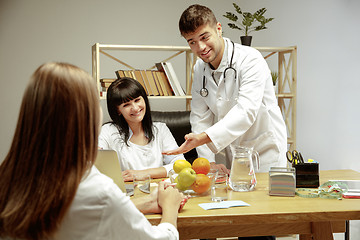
(168, 143)
(104, 141)
(122, 220)
(201, 117)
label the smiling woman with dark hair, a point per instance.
(138, 141)
(49, 186)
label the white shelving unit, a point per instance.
(285, 88)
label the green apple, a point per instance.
(186, 177)
(178, 185)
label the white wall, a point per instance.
(325, 31)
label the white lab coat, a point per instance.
(101, 211)
(240, 112)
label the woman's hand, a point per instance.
(165, 199)
(129, 174)
(168, 196)
(148, 203)
(169, 199)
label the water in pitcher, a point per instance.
(241, 178)
(242, 175)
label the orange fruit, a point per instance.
(201, 184)
(201, 165)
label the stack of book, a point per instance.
(168, 69)
(154, 82)
(105, 83)
(161, 82)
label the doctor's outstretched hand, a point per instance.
(192, 140)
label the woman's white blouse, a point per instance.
(101, 211)
(136, 157)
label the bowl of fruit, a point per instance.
(193, 179)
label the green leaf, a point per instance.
(231, 16)
(274, 76)
(269, 20)
(233, 26)
(237, 8)
(247, 20)
(261, 27)
(260, 12)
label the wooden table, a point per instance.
(269, 215)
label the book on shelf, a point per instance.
(128, 73)
(164, 83)
(152, 82)
(106, 82)
(137, 75)
(175, 78)
(139, 78)
(155, 82)
(167, 68)
(159, 82)
(120, 74)
(161, 67)
(147, 84)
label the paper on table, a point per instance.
(223, 204)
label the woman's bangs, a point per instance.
(127, 94)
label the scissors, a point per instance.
(294, 157)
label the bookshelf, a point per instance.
(286, 68)
(286, 87)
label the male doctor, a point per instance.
(233, 99)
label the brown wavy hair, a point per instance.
(195, 16)
(54, 145)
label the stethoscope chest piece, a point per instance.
(204, 92)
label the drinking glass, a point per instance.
(142, 182)
(219, 187)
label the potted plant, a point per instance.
(274, 76)
(246, 21)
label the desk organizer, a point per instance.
(307, 175)
(282, 181)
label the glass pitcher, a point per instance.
(244, 162)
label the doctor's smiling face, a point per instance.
(207, 43)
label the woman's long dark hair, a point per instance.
(121, 91)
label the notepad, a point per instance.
(282, 181)
(223, 204)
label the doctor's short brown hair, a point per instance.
(195, 16)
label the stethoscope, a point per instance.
(203, 91)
